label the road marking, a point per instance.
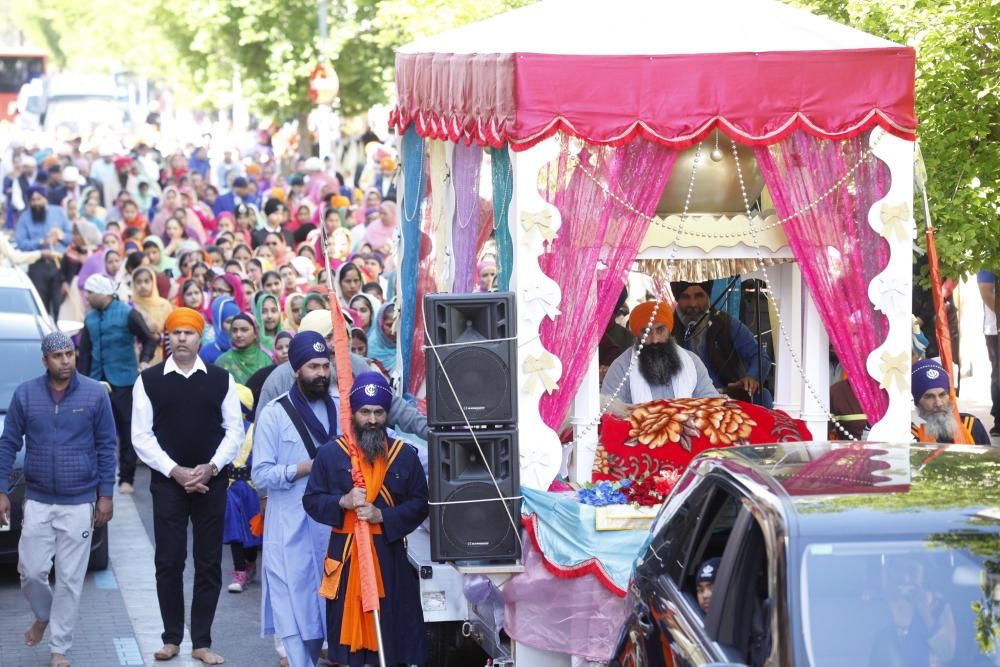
(132, 561)
(105, 580)
(128, 651)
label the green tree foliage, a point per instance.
(958, 106)
(271, 47)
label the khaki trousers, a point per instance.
(63, 532)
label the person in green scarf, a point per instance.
(314, 301)
(267, 312)
(158, 259)
(246, 356)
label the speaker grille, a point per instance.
(481, 380)
(476, 528)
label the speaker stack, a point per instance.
(475, 360)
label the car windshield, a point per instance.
(17, 300)
(20, 360)
(923, 602)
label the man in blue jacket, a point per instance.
(42, 226)
(65, 423)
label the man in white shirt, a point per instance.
(987, 289)
(186, 426)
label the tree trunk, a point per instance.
(305, 138)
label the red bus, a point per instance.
(18, 66)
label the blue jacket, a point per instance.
(69, 448)
(29, 234)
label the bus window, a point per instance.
(15, 71)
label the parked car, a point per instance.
(20, 358)
(829, 554)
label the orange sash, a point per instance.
(357, 627)
(920, 433)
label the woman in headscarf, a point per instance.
(365, 306)
(293, 311)
(224, 309)
(235, 290)
(175, 234)
(338, 245)
(153, 308)
(382, 337)
(170, 202)
(90, 207)
(348, 282)
(245, 356)
(381, 231)
(197, 208)
(158, 258)
(191, 295)
(267, 313)
(313, 301)
(280, 356)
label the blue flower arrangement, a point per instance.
(604, 493)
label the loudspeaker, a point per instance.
(478, 530)
(483, 373)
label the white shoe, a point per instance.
(126, 489)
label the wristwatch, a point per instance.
(215, 468)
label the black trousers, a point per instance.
(172, 509)
(991, 347)
(47, 278)
(243, 556)
(121, 408)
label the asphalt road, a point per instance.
(119, 621)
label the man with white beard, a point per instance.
(936, 417)
(664, 369)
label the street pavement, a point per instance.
(119, 622)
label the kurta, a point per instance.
(294, 544)
(402, 617)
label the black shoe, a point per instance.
(995, 432)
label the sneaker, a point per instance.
(126, 489)
(995, 431)
(239, 582)
(251, 572)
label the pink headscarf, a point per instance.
(239, 296)
(379, 233)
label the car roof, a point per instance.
(11, 277)
(845, 488)
(20, 326)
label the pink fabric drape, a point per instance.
(468, 161)
(838, 251)
(597, 242)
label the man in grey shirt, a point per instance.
(663, 369)
(402, 415)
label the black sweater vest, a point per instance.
(187, 412)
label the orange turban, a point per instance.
(253, 169)
(639, 317)
(185, 318)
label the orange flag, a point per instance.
(943, 332)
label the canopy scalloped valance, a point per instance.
(675, 100)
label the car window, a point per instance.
(20, 361)
(714, 524)
(15, 300)
(671, 541)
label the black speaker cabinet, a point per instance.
(474, 530)
(483, 374)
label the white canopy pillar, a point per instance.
(816, 369)
(891, 290)
(787, 296)
(533, 222)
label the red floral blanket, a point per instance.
(658, 440)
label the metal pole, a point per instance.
(378, 637)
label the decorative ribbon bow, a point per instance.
(539, 294)
(895, 221)
(893, 367)
(542, 220)
(537, 369)
(894, 299)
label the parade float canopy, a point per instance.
(667, 70)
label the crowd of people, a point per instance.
(249, 248)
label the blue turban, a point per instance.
(306, 346)
(40, 189)
(370, 389)
(928, 374)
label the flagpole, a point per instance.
(362, 533)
